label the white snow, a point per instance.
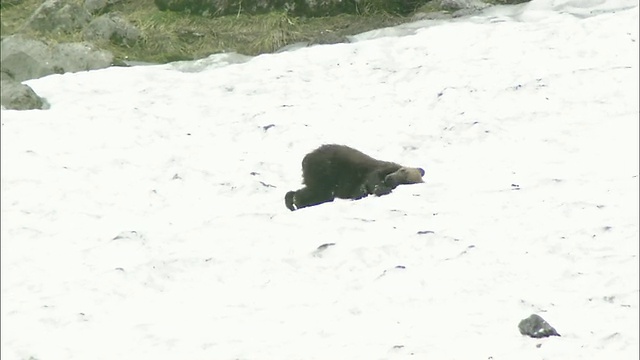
(143, 214)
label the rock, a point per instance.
(23, 58)
(59, 15)
(73, 57)
(536, 327)
(17, 96)
(112, 27)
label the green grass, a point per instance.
(169, 36)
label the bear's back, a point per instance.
(332, 166)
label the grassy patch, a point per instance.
(169, 36)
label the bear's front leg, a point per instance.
(375, 184)
(361, 192)
(382, 189)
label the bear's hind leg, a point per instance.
(306, 196)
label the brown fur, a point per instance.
(340, 171)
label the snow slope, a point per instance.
(143, 214)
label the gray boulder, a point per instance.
(536, 327)
(74, 57)
(23, 58)
(112, 27)
(17, 96)
(59, 15)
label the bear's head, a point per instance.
(403, 176)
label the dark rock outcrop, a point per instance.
(24, 58)
(17, 96)
(112, 27)
(536, 327)
(74, 57)
(19, 56)
(59, 15)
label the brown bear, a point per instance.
(338, 171)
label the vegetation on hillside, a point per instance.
(169, 36)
